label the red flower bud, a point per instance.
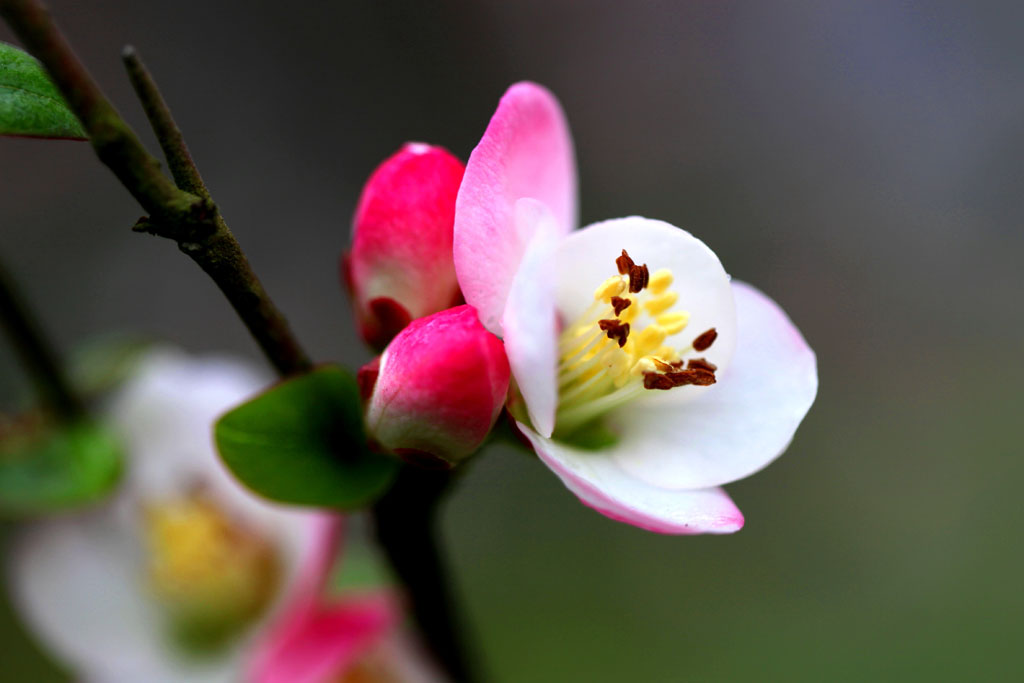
(400, 265)
(441, 386)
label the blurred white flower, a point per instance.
(174, 577)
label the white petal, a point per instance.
(738, 425)
(164, 417)
(530, 322)
(77, 581)
(586, 258)
(599, 483)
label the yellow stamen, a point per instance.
(661, 303)
(673, 322)
(667, 353)
(595, 374)
(613, 286)
(211, 575)
(628, 315)
(649, 338)
(661, 280)
(645, 364)
(662, 364)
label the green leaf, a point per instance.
(30, 104)
(302, 442)
(51, 468)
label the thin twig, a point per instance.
(38, 356)
(191, 220)
(172, 142)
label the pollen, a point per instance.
(620, 347)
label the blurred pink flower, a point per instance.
(644, 387)
(174, 577)
(352, 639)
(441, 385)
(399, 267)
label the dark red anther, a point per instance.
(669, 380)
(638, 278)
(616, 329)
(701, 364)
(697, 376)
(619, 304)
(656, 380)
(705, 340)
(624, 263)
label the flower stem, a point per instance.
(37, 354)
(183, 212)
(406, 525)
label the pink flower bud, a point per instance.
(400, 265)
(441, 386)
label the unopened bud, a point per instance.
(400, 265)
(441, 386)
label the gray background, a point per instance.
(859, 161)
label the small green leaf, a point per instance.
(30, 104)
(302, 442)
(50, 468)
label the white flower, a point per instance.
(607, 331)
(181, 556)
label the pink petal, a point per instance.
(530, 321)
(599, 483)
(526, 151)
(441, 385)
(323, 537)
(322, 644)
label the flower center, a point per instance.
(211, 575)
(622, 346)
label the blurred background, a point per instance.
(859, 161)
